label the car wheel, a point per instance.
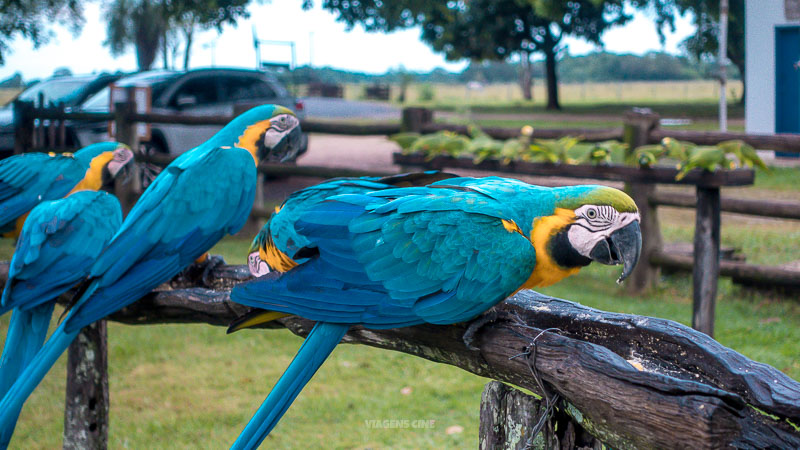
(149, 171)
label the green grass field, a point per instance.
(584, 105)
(570, 93)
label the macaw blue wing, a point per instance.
(281, 227)
(386, 262)
(196, 200)
(30, 178)
(59, 243)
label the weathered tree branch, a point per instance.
(631, 381)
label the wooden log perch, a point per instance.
(630, 381)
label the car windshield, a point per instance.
(99, 101)
(55, 91)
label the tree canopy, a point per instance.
(32, 19)
(151, 26)
(490, 29)
(704, 43)
(592, 67)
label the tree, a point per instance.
(30, 19)
(141, 23)
(704, 44)
(189, 16)
(153, 25)
(490, 29)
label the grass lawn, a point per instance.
(192, 386)
(699, 109)
(571, 121)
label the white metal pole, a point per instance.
(723, 64)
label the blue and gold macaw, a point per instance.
(31, 178)
(58, 244)
(275, 247)
(204, 194)
(439, 254)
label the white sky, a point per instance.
(319, 39)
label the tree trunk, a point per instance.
(149, 27)
(549, 49)
(187, 33)
(526, 75)
(164, 49)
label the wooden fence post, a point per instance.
(415, 119)
(38, 136)
(23, 126)
(638, 125)
(86, 409)
(509, 415)
(705, 273)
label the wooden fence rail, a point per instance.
(789, 143)
(778, 209)
(630, 381)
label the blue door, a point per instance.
(787, 82)
(787, 79)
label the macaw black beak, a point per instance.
(286, 149)
(624, 246)
(119, 168)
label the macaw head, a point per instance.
(268, 132)
(104, 162)
(593, 223)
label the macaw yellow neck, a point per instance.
(252, 134)
(546, 271)
(274, 257)
(14, 234)
(93, 179)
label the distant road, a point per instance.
(337, 108)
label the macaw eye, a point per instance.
(591, 213)
(281, 123)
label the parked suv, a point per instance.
(199, 92)
(72, 91)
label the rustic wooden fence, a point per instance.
(743, 425)
(640, 128)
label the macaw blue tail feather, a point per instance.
(26, 334)
(318, 345)
(30, 377)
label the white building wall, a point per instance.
(761, 17)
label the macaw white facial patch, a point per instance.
(122, 156)
(257, 265)
(279, 127)
(595, 223)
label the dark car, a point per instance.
(72, 91)
(199, 92)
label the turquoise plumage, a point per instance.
(204, 194)
(59, 242)
(279, 232)
(31, 178)
(439, 254)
